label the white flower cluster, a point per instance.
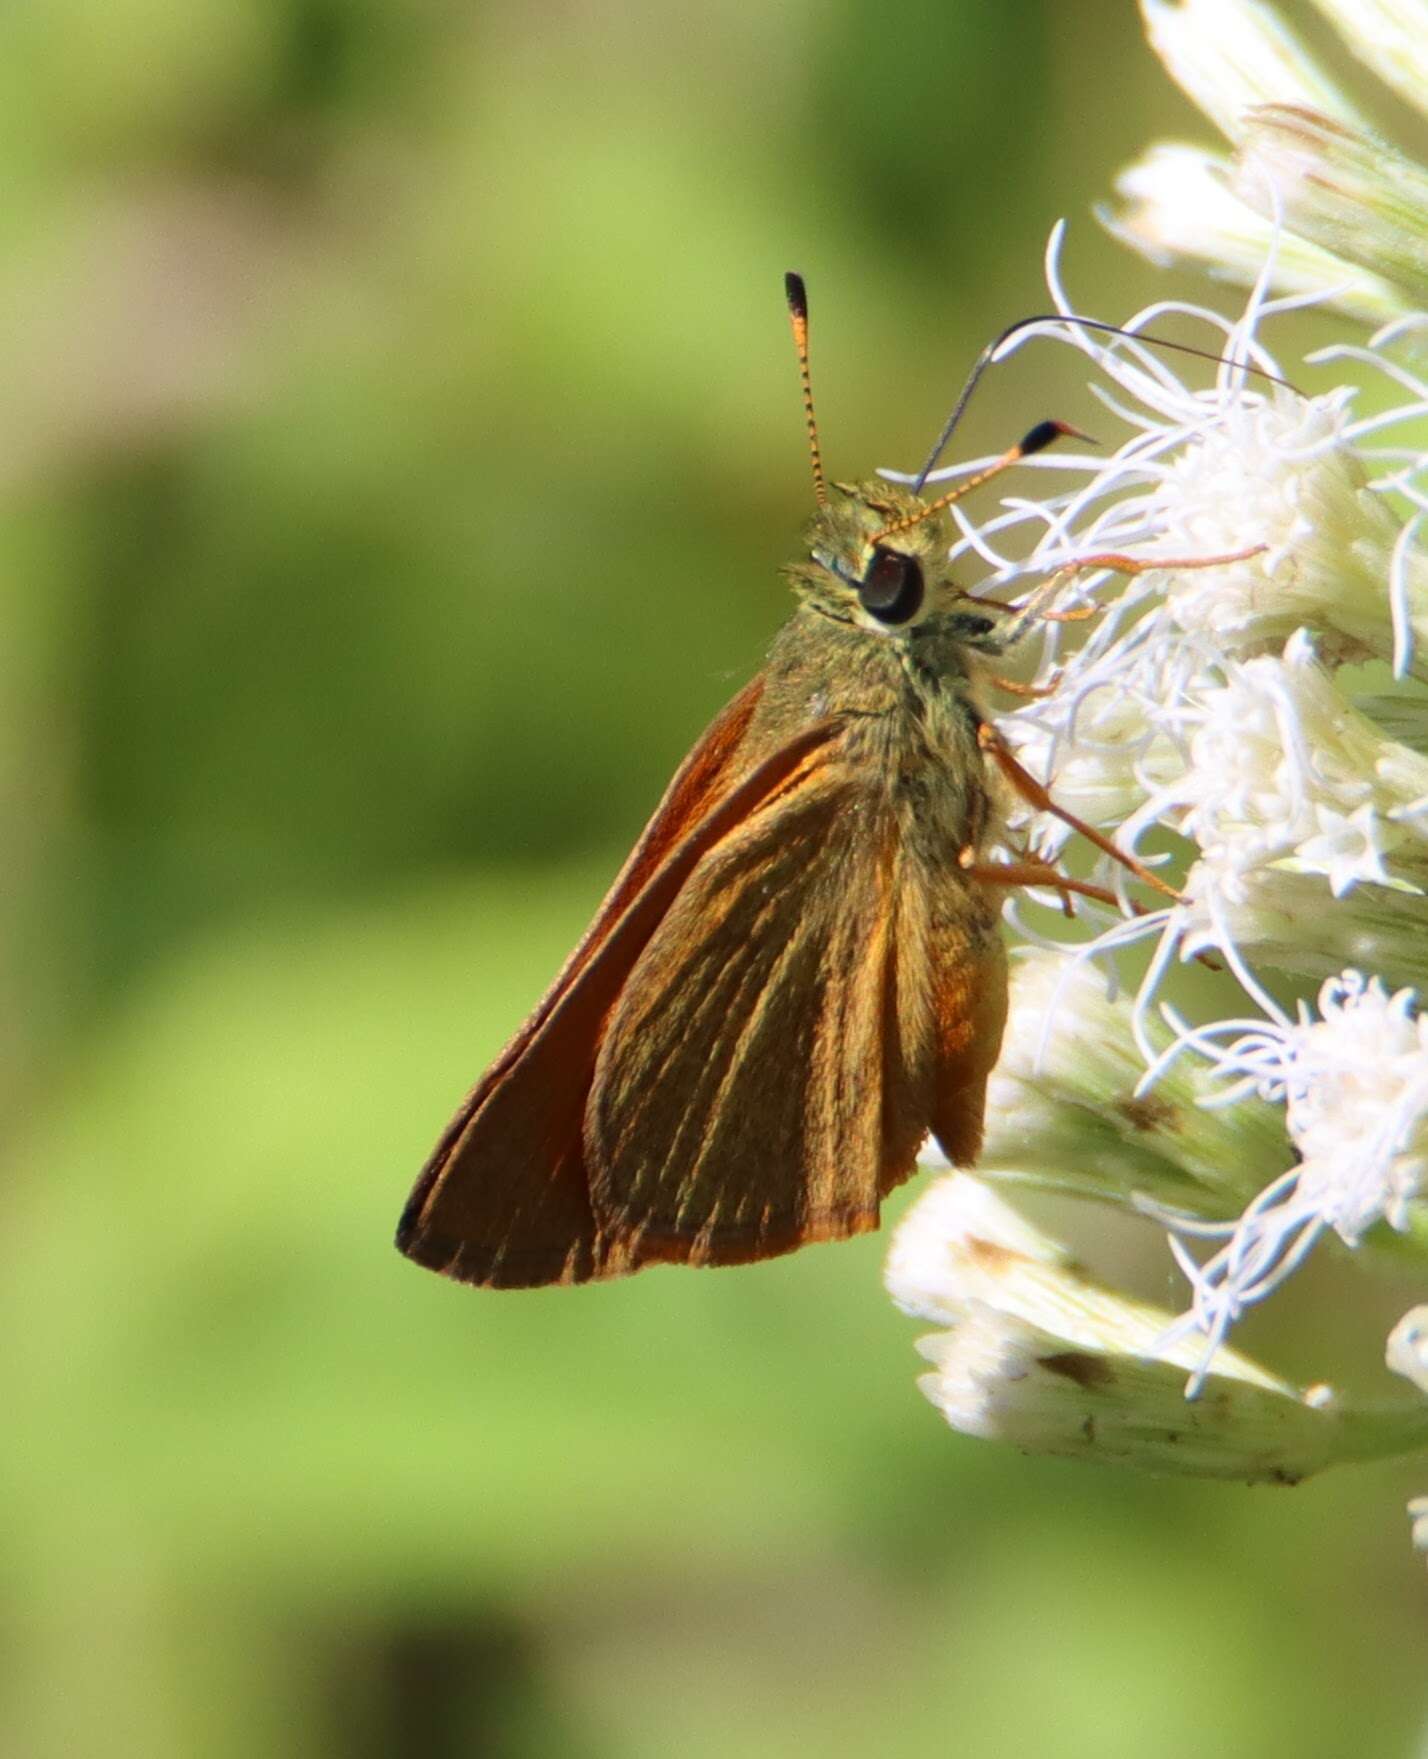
(1354, 1086)
(1251, 556)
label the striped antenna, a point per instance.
(1040, 437)
(797, 296)
(992, 352)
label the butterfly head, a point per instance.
(876, 559)
(878, 553)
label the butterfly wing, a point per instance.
(818, 993)
(505, 1197)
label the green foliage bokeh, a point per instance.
(402, 440)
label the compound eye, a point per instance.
(892, 588)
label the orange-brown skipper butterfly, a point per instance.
(799, 971)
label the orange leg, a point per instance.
(1036, 795)
(1119, 563)
(1026, 785)
(1038, 692)
(1041, 873)
(1029, 872)
(1035, 873)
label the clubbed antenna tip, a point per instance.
(1045, 432)
(797, 295)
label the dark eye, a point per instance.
(892, 589)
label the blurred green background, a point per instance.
(401, 439)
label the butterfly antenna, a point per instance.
(993, 349)
(797, 295)
(1037, 440)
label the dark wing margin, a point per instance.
(505, 1198)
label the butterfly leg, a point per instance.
(1034, 692)
(1041, 873)
(1035, 873)
(1034, 610)
(1036, 795)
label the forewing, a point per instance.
(768, 1073)
(505, 1197)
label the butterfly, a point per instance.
(799, 971)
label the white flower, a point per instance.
(1243, 554)
(1100, 733)
(1341, 186)
(1281, 770)
(1304, 158)
(1247, 468)
(1066, 1110)
(1180, 201)
(1407, 1349)
(1228, 55)
(1282, 468)
(1407, 1354)
(1263, 914)
(1388, 36)
(1354, 1085)
(1181, 713)
(1418, 1517)
(1039, 1354)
